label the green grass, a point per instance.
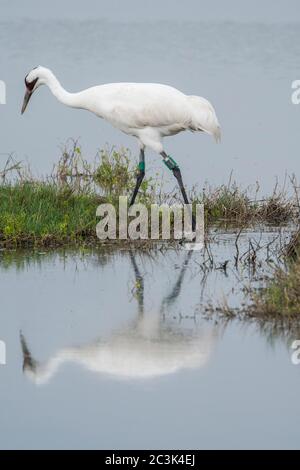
(233, 204)
(43, 214)
(48, 214)
(281, 297)
(61, 209)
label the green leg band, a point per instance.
(170, 163)
(142, 166)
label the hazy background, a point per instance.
(242, 57)
(233, 10)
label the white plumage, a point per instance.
(134, 353)
(148, 111)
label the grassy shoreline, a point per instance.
(39, 214)
(61, 209)
(46, 214)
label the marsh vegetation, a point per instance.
(60, 210)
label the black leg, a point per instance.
(172, 165)
(139, 177)
(28, 362)
(177, 174)
(139, 285)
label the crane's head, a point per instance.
(32, 81)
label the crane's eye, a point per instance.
(30, 85)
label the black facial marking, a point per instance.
(30, 85)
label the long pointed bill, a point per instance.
(26, 100)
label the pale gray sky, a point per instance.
(218, 10)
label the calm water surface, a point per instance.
(114, 350)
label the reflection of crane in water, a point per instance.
(144, 349)
(174, 293)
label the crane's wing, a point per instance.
(147, 105)
(131, 106)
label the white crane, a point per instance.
(146, 348)
(147, 111)
(128, 354)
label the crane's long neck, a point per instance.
(62, 95)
